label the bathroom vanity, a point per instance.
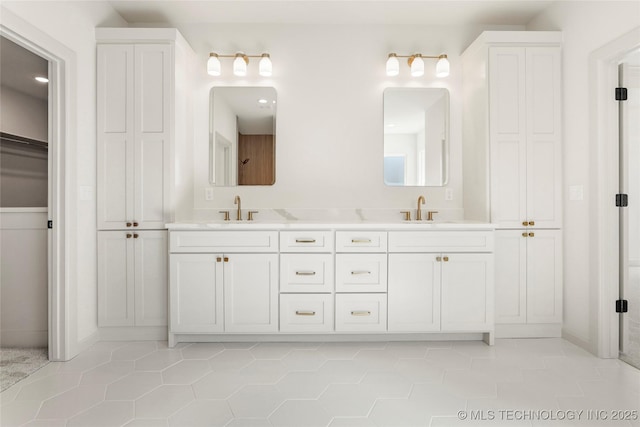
(281, 281)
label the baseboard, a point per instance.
(139, 333)
(334, 337)
(543, 330)
(579, 342)
(18, 338)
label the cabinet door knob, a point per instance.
(226, 259)
(135, 236)
(438, 258)
(524, 234)
(218, 259)
(531, 234)
(135, 224)
(532, 223)
(525, 223)
(128, 235)
(446, 259)
(128, 224)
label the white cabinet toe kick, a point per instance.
(330, 285)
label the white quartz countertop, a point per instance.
(325, 225)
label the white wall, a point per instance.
(586, 26)
(72, 24)
(23, 115)
(329, 80)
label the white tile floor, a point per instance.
(516, 382)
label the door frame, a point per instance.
(603, 78)
(62, 322)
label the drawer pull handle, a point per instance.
(305, 313)
(360, 272)
(305, 273)
(360, 240)
(361, 313)
(305, 240)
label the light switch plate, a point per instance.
(208, 193)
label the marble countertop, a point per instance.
(330, 225)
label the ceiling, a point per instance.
(423, 12)
(19, 66)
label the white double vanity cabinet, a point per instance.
(499, 272)
(329, 279)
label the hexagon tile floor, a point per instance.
(536, 382)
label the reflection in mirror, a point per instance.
(242, 136)
(416, 134)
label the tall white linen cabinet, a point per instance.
(512, 171)
(142, 93)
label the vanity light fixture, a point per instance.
(416, 62)
(240, 62)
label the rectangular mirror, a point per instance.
(242, 138)
(416, 136)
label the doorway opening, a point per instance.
(59, 313)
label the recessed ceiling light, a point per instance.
(42, 79)
(262, 101)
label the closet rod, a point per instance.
(4, 136)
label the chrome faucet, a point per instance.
(237, 202)
(419, 212)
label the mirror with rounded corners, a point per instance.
(242, 136)
(416, 136)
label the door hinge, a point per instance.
(50, 224)
(622, 306)
(621, 94)
(622, 200)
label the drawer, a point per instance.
(441, 241)
(306, 313)
(306, 273)
(306, 241)
(361, 273)
(223, 241)
(361, 312)
(361, 241)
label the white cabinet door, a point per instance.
(544, 169)
(195, 288)
(115, 279)
(134, 131)
(414, 293)
(151, 278)
(115, 136)
(251, 293)
(544, 277)
(507, 128)
(511, 276)
(525, 132)
(153, 98)
(467, 292)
